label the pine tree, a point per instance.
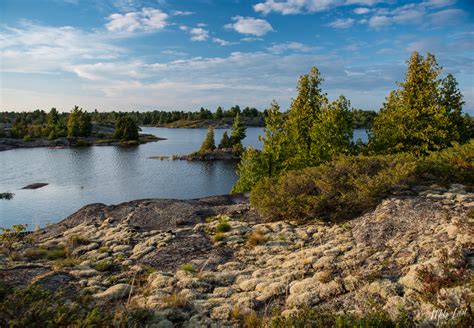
(208, 143)
(237, 131)
(226, 142)
(79, 123)
(332, 132)
(275, 141)
(302, 116)
(423, 115)
(126, 129)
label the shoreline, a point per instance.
(62, 143)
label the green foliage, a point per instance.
(312, 132)
(208, 143)
(126, 128)
(226, 142)
(451, 165)
(350, 185)
(340, 189)
(79, 123)
(218, 237)
(34, 306)
(237, 131)
(103, 266)
(269, 162)
(188, 267)
(321, 319)
(423, 115)
(250, 170)
(363, 119)
(223, 226)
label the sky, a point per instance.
(181, 55)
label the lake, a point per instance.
(111, 175)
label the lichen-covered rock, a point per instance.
(115, 292)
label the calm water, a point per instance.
(110, 175)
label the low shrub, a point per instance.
(340, 189)
(348, 186)
(218, 237)
(103, 266)
(188, 267)
(223, 227)
(36, 307)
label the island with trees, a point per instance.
(77, 128)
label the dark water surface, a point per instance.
(110, 175)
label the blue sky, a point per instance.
(181, 55)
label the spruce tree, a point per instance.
(332, 131)
(226, 142)
(208, 143)
(304, 111)
(423, 115)
(237, 131)
(274, 142)
(126, 129)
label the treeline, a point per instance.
(77, 123)
(310, 167)
(39, 123)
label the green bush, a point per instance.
(451, 165)
(340, 189)
(36, 307)
(223, 227)
(348, 186)
(188, 267)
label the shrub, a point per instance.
(188, 267)
(349, 186)
(223, 227)
(340, 189)
(218, 237)
(103, 266)
(34, 306)
(56, 253)
(451, 165)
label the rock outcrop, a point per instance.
(193, 271)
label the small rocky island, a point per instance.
(214, 261)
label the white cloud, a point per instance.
(250, 25)
(438, 3)
(32, 48)
(251, 39)
(279, 48)
(291, 7)
(145, 20)
(362, 11)
(342, 23)
(199, 34)
(447, 17)
(378, 22)
(223, 42)
(182, 13)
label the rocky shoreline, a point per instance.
(11, 143)
(211, 261)
(214, 155)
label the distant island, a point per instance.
(75, 129)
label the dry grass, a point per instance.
(256, 238)
(175, 300)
